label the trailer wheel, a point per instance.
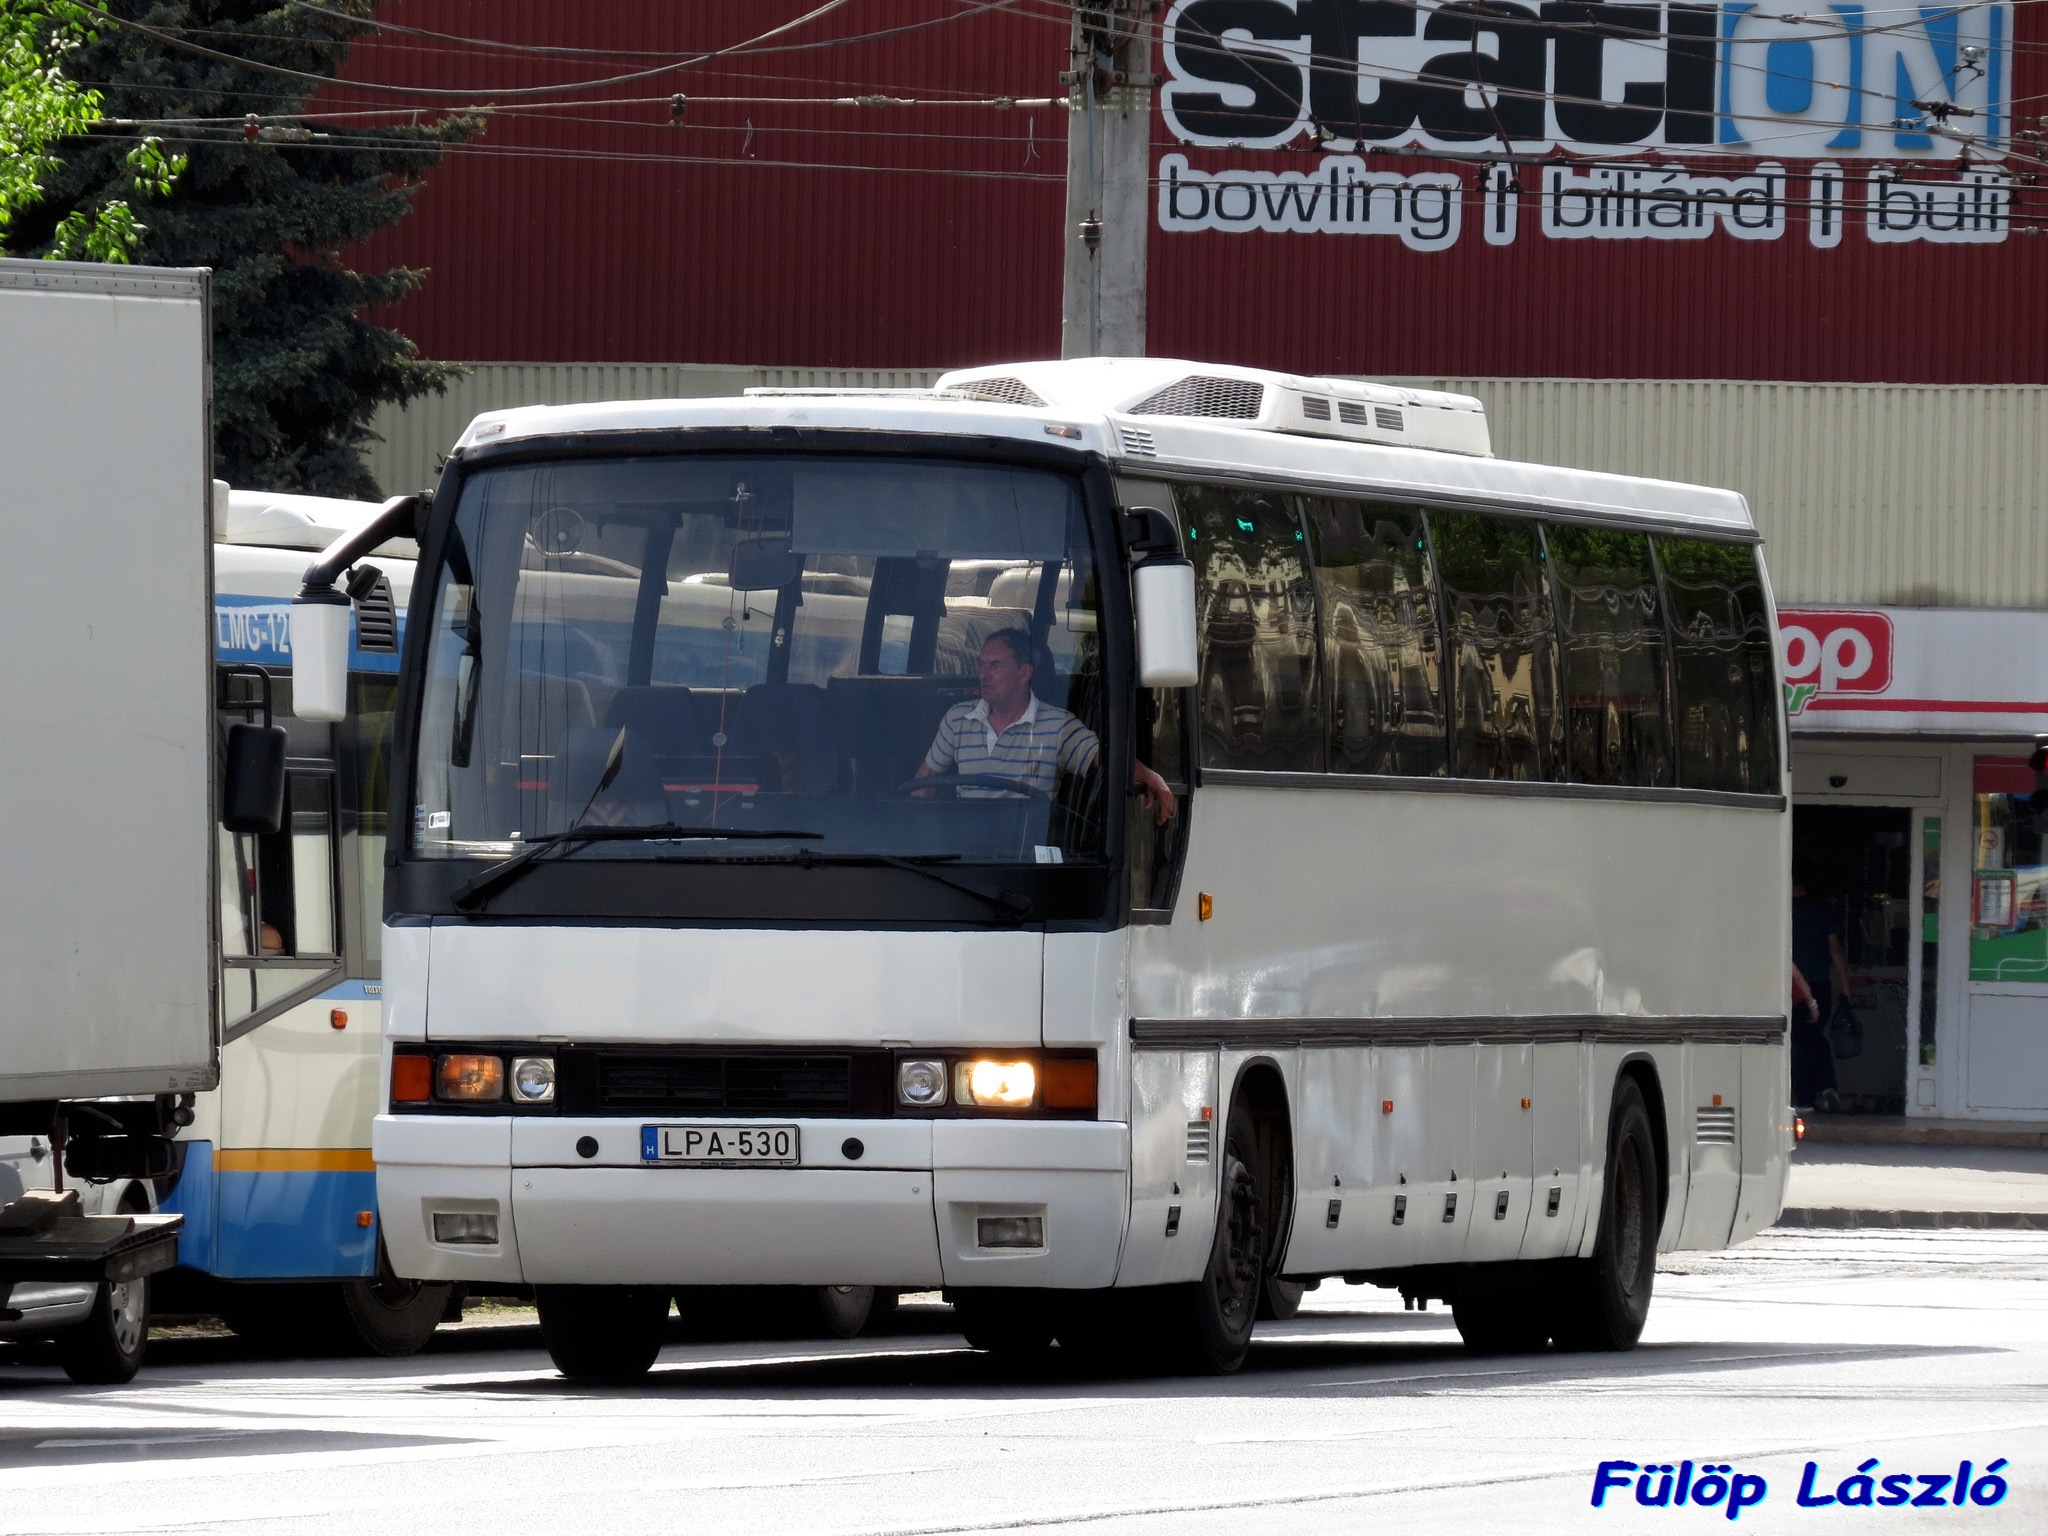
(602, 1332)
(107, 1348)
(1601, 1303)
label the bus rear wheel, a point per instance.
(602, 1332)
(387, 1316)
(1516, 1323)
(1005, 1322)
(1603, 1302)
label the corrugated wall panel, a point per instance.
(1890, 494)
(812, 236)
(806, 235)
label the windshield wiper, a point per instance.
(1012, 904)
(472, 893)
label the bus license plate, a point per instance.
(766, 1146)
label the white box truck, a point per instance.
(108, 803)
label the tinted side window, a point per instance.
(1726, 707)
(1381, 646)
(1259, 704)
(1611, 637)
(1501, 648)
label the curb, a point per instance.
(1845, 1217)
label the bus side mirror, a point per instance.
(252, 782)
(320, 628)
(252, 776)
(1163, 591)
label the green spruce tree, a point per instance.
(268, 198)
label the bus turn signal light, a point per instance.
(1069, 1084)
(469, 1079)
(412, 1079)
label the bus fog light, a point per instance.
(921, 1084)
(469, 1079)
(466, 1227)
(533, 1079)
(995, 1084)
(1009, 1231)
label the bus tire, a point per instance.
(1603, 1302)
(1004, 1322)
(1515, 1323)
(389, 1316)
(1281, 1299)
(1210, 1322)
(843, 1310)
(107, 1348)
(602, 1332)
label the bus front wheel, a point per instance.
(1210, 1322)
(602, 1332)
(1602, 1302)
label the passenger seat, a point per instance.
(788, 725)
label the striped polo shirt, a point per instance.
(1037, 744)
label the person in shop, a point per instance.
(1818, 964)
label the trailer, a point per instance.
(110, 793)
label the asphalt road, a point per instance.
(1919, 1349)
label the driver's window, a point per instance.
(278, 910)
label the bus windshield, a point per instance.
(880, 656)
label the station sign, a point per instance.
(1801, 97)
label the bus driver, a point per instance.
(1010, 733)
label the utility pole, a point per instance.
(1109, 144)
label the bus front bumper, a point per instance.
(903, 1203)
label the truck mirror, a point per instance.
(320, 629)
(1163, 591)
(252, 780)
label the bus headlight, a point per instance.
(469, 1079)
(921, 1084)
(995, 1084)
(533, 1079)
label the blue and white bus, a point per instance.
(276, 1187)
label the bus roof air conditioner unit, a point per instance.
(1214, 395)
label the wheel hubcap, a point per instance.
(128, 1305)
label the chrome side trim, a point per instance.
(1623, 1029)
(1262, 778)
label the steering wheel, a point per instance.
(994, 781)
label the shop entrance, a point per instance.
(1854, 927)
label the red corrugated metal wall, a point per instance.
(929, 236)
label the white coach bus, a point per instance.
(785, 899)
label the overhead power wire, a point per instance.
(557, 50)
(445, 93)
